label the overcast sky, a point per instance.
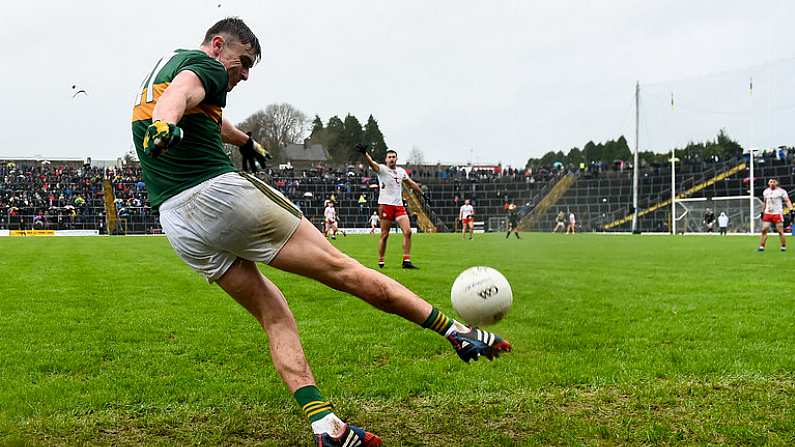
(487, 81)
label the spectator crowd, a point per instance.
(70, 195)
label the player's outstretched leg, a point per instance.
(337, 270)
(244, 282)
(386, 225)
(405, 227)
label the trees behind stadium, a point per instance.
(721, 148)
(340, 137)
(278, 125)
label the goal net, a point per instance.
(497, 224)
(690, 213)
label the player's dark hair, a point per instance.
(391, 150)
(235, 27)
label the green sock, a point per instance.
(438, 322)
(313, 404)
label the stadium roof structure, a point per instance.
(40, 158)
(71, 161)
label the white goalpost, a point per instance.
(689, 213)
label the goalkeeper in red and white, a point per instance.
(775, 198)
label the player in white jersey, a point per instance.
(465, 215)
(330, 216)
(723, 223)
(391, 178)
(572, 227)
(373, 222)
(775, 198)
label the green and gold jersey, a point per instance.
(200, 155)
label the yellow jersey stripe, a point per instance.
(143, 110)
(214, 112)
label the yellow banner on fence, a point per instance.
(31, 233)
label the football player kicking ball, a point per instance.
(465, 215)
(221, 222)
(774, 212)
(391, 178)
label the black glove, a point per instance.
(253, 153)
(361, 148)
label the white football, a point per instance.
(481, 296)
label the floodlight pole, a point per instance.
(751, 192)
(673, 192)
(635, 165)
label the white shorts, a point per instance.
(234, 215)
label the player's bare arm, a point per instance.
(231, 134)
(184, 92)
(373, 165)
(250, 150)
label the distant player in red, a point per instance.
(466, 216)
(775, 198)
(391, 178)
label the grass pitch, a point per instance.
(617, 340)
